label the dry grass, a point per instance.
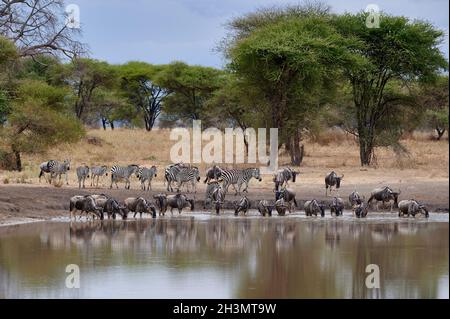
(334, 150)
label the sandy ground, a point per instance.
(24, 203)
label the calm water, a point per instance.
(199, 256)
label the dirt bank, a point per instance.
(19, 203)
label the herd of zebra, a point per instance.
(218, 181)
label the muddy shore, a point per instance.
(25, 203)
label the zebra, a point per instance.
(57, 169)
(239, 177)
(98, 171)
(82, 174)
(123, 173)
(283, 176)
(188, 175)
(170, 174)
(146, 174)
(218, 197)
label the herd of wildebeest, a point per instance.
(218, 181)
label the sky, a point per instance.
(162, 31)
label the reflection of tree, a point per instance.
(272, 257)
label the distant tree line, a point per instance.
(298, 68)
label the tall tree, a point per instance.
(399, 50)
(294, 62)
(139, 86)
(189, 87)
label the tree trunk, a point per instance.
(112, 125)
(104, 123)
(296, 150)
(365, 149)
(17, 159)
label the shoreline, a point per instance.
(21, 204)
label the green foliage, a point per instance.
(189, 87)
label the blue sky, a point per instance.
(161, 31)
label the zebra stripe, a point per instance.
(188, 175)
(56, 168)
(146, 174)
(122, 173)
(82, 174)
(239, 177)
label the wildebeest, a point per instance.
(97, 171)
(314, 207)
(355, 199)
(100, 199)
(283, 176)
(140, 205)
(384, 194)
(146, 175)
(179, 201)
(411, 207)
(44, 169)
(281, 206)
(113, 208)
(288, 195)
(265, 208)
(337, 206)
(82, 174)
(218, 198)
(242, 206)
(86, 204)
(361, 210)
(213, 173)
(212, 186)
(332, 179)
(161, 202)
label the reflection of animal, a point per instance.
(313, 207)
(384, 194)
(112, 208)
(82, 174)
(140, 205)
(411, 207)
(361, 210)
(337, 206)
(179, 201)
(218, 197)
(119, 173)
(265, 208)
(288, 195)
(213, 173)
(283, 176)
(282, 206)
(355, 199)
(238, 177)
(98, 171)
(146, 175)
(332, 180)
(86, 204)
(242, 206)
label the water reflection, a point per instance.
(188, 257)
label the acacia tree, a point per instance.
(294, 62)
(37, 120)
(85, 77)
(137, 81)
(399, 50)
(189, 88)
